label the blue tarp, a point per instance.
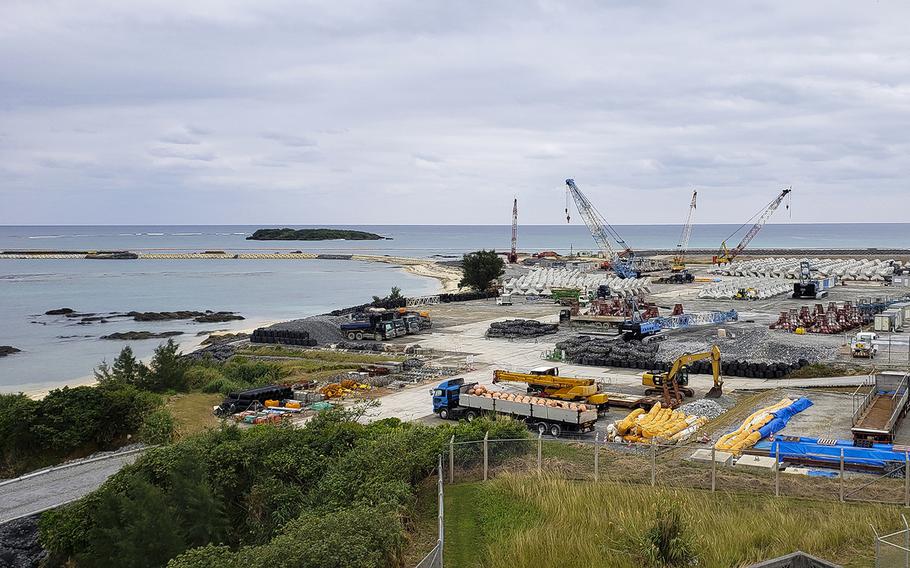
(782, 416)
(879, 455)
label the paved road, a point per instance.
(43, 491)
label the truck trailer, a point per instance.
(451, 401)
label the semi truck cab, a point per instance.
(445, 398)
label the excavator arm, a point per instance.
(670, 383)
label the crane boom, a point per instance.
(602, 231)
(727, 255)
(513, 256)
(679, 261)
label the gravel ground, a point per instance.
(756, 344)
(19, 546)
(704, 407)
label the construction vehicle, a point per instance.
(727, 255)
(546, 382)
(808, 287)
(504, 300)
(252, 399)
(381, 325)
(451, 401)
(672, 385)
(622, 262)
(513, 254)
(862, 345)
(637, 327)
(681, 274)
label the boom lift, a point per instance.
(673, 384)
(602, 232)
(727, 255)
(680, 274)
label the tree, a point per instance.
(167, 369)
(480, 269)
(395, 294)
(126, 369)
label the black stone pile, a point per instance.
(585, 350)
(466, 296)
(360, 346)
(519, 328)
(282, 337)
(218, 352)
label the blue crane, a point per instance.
(602, 232)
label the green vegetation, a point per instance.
(287, 234)
(541, 522)
(192, 412)
(335, 493)
(394, 296)
(480, 269)
(165, 372)
(817, 370)
(73, 422)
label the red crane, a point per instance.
(513, 256)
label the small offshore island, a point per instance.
(287, 234)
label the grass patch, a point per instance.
(533, 522)
(318, 354)
(193, 412)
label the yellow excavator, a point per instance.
(673, 384)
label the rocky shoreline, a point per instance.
(139, 335)
(207, 316)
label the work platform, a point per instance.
(879, 406)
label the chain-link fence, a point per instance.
(893, 550)
(433, 559)
(690, 466)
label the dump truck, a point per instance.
(546, 382)
(451, 401)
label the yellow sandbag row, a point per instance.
(657, 425)
(747, 435)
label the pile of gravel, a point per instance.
(705, 407)
(757, 345)
(324, 329)
(360, 346)
(19, 545)
(521, 328)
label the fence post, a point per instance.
(653, 464)
(539, 452)
(713, 468)
(907, 480)
(596, 457)
(486, 455)
(442, 525)
(841, 475)
(777, 470)
(452, 459)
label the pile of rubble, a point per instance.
(519, 328)
(769, 360)
(705, 408)
(835, 319)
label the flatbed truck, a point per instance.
(451, 401)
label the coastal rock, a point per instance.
(207, 316)
(139, 335)
(19, 545)
(60, 312)
(8, 350)
(225, 338)
(219, 352)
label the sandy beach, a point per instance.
(448, 276)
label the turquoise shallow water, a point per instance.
(57, 351)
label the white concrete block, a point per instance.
(704, 456)
(760, 462)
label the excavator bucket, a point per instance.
(715, 392)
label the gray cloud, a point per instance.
(357, 112)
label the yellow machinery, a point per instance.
(673, 384)
(545, 381)
(679, 259)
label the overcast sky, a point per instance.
(266, 111)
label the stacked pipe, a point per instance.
(867, 269)
(658, 426)
(541, 281)
(835, 319)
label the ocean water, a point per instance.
(57, 351)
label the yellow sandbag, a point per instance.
(623, 426)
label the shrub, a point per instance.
(198, 376)
(480, 269)
(666, 543)
(158, 428)
(223, 386)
